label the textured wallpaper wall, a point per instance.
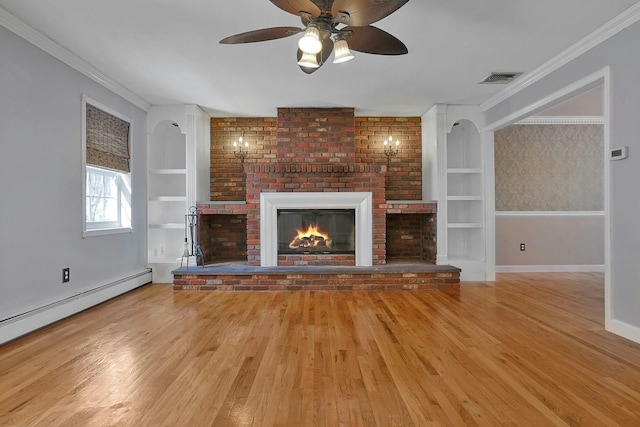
(549, 168)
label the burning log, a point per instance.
(311, 238)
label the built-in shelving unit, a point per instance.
(167, 203)
(464, 195)
(176, 179)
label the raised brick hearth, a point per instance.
(240, 277)
(312, 151)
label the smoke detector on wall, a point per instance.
(500, 78)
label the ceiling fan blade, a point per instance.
(365, 12)
(324, 5)
(261, 35)
(373, 40)
(297, 6)
(322, 57)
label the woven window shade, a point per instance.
(107, 140)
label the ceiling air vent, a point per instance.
(499, 78)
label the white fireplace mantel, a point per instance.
(271, 202)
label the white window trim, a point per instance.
(90, 232)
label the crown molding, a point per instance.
(608, 30)
(603, 75)
(562, 120)
(41, 41)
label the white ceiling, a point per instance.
(167, 51)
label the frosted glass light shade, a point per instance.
(310, 42)
(342, 52)
(308, 60)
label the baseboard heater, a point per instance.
(32, 320)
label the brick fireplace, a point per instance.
(310, 154)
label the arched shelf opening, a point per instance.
(167, 194)
(465, 220)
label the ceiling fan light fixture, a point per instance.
(308, 60)
(342, 52)
(327, 26)
(310, 42)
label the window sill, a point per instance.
(106, 231)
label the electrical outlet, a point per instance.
(65, 275)
(522, 246)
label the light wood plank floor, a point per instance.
(527, 350)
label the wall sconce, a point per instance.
(241, 150)
(390, 149)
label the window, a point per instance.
(108, 199)
(106, 161)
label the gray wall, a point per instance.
(569, 240)
(41, 183)
(549, 171)
(618, 52)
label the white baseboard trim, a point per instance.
(25, 323)
(625, 330)
(549, 268)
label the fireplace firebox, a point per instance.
(316, 231)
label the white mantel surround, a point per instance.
(271, 202)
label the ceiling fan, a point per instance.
(332, 25)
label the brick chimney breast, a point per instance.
(316, 135)
(317, 150)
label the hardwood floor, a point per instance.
(527, 350)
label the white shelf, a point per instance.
(464, 170)
(463, 198)
(168, 199)
(167, 226)
(167, 172)
(465, 225)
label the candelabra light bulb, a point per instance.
(389, 149)
(241, 149)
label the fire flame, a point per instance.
(310, 238)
